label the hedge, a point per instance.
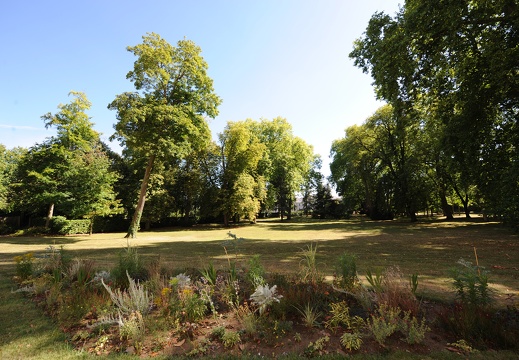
(60, 225)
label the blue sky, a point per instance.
(267, 58)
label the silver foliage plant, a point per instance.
(136, 298)
(265, 296)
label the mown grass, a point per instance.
(429, 248)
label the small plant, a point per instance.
(81, 271)
(181, 281)
(340, 315)
(194, 306)
(247, 319)
(297, 337)
(230, 339)
(396, 292)
(308, 264)
(133, 329)
(205, 290)
(24, 265)
(218, 332)
(200, 347)
(385, 324)
(233, 243)
(210, 274)
(318, 347)
(256, 272)
(471, 284)
(310, 316)
(136, 298)
(56, 262)
(413, 283)
(351, 341)
(264, 296)
(375, 280)
(346, 272)
(415, 331)
(464, 346)
(129, 262)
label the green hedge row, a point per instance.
(60, 225)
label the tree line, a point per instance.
(448, 135)
(169, 162)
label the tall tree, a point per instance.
(386, 159)
(9, 161)
(311, 184)
(287, 163)
(242, 188)
(165, 116)
(70, 170)
(465, 54)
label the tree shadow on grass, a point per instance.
(38, 240)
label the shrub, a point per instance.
(471, 284)
(133, 329)
(385, 323)
(317, 347)
(310, 316)
(346, 272)
(308, 265)
(264, 296)
(392, 289)
(56, 262)
(256, 272)
(60, 225)
(24, 265)
(135, 299)
(129, 262)
(230, 339)
(351, 341)
(480, 325)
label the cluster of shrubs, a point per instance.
(60, 225)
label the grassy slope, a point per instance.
(428, 249)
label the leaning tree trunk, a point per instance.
(50, 213)
(136, 219)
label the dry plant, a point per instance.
(396, 292)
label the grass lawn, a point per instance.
(428, 248)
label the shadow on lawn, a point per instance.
(358, 223)
(38, 240)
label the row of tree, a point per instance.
(168, 160)
(449, 71)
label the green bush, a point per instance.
(346, 271)
(60, 225)
(129, 263)
(471, 284)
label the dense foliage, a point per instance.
(446, 139)
(449, 71)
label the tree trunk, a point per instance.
(50, 213)
(466, 206)
(447, 209)
(289, 209)
(136, 219)
(225, 219)
(412, 215)
(92, 225)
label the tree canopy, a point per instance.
(165, 116)
(454, 63)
